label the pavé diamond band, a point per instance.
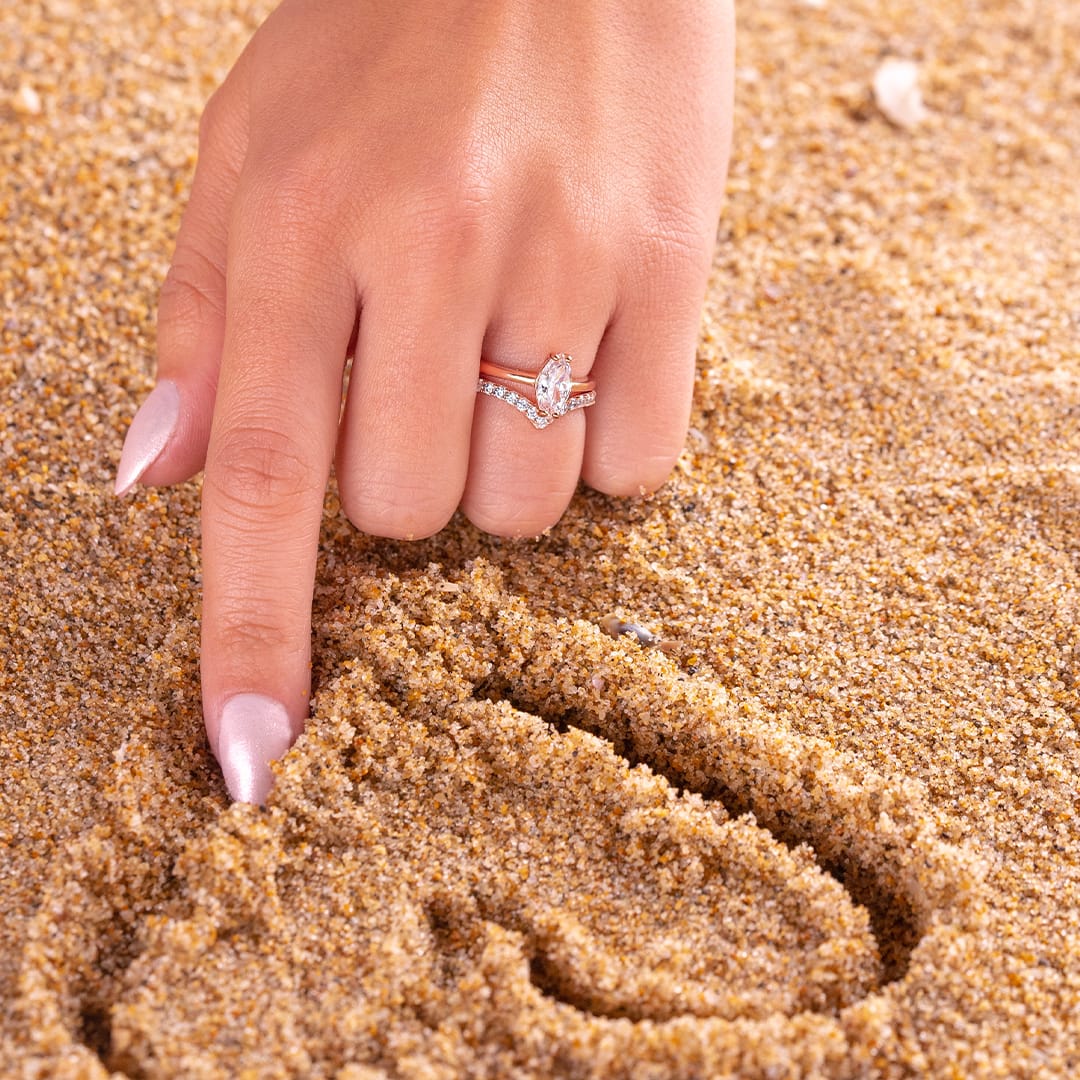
(554, 389)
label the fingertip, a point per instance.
(531, 528)
(623, 475)
(251, 732)
(402, 511)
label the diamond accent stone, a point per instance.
(553, 385)
(538, 419)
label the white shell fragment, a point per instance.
(897, 94)
(27, 101)
(613, 626)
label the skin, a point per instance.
(422, 183)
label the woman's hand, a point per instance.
(424, 182)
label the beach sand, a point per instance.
(829, 830)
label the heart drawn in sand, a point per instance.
(509, 846)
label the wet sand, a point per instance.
(830, 830)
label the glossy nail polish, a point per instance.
(151, 429)
(253, 731)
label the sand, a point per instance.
(830, 829)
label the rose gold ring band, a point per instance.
(504, 374)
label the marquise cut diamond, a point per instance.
(553, 385)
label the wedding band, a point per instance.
(554, 389)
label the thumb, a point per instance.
(167, 440)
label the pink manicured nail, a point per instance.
(253, 731)
(154, 423)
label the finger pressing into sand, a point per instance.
(291, 310)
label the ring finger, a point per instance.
(522, 478)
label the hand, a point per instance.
(425, 183)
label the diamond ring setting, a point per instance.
(554, 390)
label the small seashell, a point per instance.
(613, 626)
(897, 94)
(27, 101)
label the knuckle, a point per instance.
(193, 289)
(452, 216)
(672, 237)
(285, 208)
(285, 231)
(295, 194)
(671, 256)
(241, 627)
(260, 470)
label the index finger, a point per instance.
(290, 311)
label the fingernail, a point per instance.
(253, 731)
(154, 423)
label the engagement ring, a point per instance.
(555, 392)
